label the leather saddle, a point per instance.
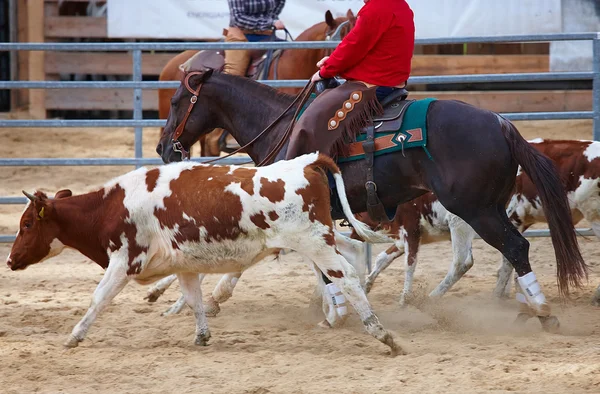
(261, 60)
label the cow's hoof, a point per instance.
(550, 324)
(153, 296)
(202, 339)
(211, 308)
(72, 342)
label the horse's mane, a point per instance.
(255, 89)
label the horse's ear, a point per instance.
(350, 16)
(329, 20)
(207, 74)
(202, 77)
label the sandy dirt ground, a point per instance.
(266, 339)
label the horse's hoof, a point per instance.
(522, 319)
(596, 301)
(324, 324)
(72, 342)
(550, 324)
(211, 308)
(202, 340)
(404, 301)
(368, 287)
(395, 349)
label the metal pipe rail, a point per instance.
(586, 232)
(299, 83)
(182, 46)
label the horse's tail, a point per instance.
(363, 230)
(570, 266)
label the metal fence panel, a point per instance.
(138, 123)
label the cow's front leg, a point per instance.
(192, 291)
(114, 280)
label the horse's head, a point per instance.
(337, 28)
(191, 115)
(331, 28)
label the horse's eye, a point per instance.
(27, 225)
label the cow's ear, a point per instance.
(63, 194)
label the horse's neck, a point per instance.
(246, 113)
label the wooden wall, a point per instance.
(44, 22)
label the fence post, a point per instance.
(137, 104)
(596, 86)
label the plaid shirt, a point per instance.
(254, 14)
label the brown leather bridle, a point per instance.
(177, 146)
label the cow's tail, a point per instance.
(361, 228)
(570, 266)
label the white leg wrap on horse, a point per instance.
(532, 289)
(338, 299)
(521, 298)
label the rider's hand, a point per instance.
(316, 77)
(279, 25)
(322, 61)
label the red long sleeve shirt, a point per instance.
(379, 49)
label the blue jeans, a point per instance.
(257, 37)
(384, 91)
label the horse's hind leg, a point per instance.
(462, 238)
(494, 227)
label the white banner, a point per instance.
(202, 19)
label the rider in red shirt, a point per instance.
(374, 58)
(378, 50)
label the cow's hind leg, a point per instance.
(462, 238)
(383, 260)
(114, 280)
(410, 264)
(495, 228)
(222, 292)
(192, 291)
(596, 297)
(343, 275)
(159, 288)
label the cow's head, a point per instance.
(37, 239)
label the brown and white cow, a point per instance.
(425, 220)
(189, 219)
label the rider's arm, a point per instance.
(251, 22)
(361, 39)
